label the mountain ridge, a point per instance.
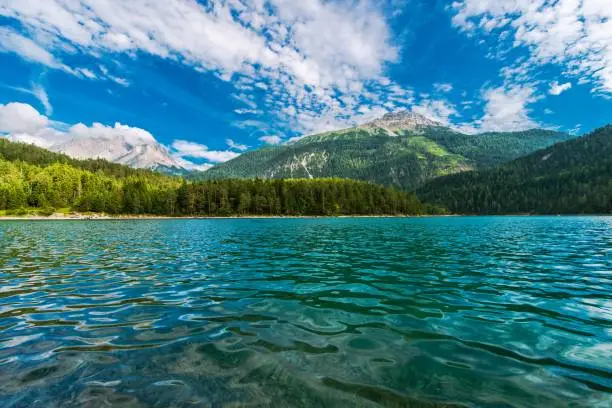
(401, 149)
(407, 151)
(401, 120)
(131, 151)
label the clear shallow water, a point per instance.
(488, 312)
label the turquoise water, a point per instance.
(467, 311)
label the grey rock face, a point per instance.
(403, 120)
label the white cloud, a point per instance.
(18, 117)
(195, 167)
(557, 89)
(39, 92)
(576, 34)
(247, 100)
(507, 110)
(575, 130)
(106, 74)
(87, 73)
(132, 135)
(45, 138)
(236, 146)
(438, 110)
(10, 41)
(26, 48)
(443, 87)
(248, 111)
(325, 58)
(121, 81)
(183, 148)
(271, 140)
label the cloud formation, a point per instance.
(236, 146)
(319, 61)
(438, 110)
(443, 87)
(39, 92)
(271, 140)
(575, 34)
(507, 109)
(301, 67)
(132, 135)
(557, 89)
(18, 117)
(184, 148)
(11, 41)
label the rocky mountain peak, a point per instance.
(401, 120)
(118, 149)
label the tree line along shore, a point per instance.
(572, 177)
(31, 189)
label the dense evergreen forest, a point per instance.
(56, 181)
(572, 177)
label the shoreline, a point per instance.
(127, 217)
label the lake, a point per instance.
(424, 312)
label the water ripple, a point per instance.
(466, 311)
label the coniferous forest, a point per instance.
(573, 177)
(36, 178)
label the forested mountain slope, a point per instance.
(403, 153)
(570, 177)
(31, 177)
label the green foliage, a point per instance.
(568, 178)
(293, 197)
(492, 149)
(114, 189)
(404, 160)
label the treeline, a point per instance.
(63, 186)
(24, 185)
(325, 196)
(572, 177)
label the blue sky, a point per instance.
(209, 79)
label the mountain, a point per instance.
(32, 154)
(118, 150)
(403, 150)
(401, 121)
(137, 152)
(570, 177)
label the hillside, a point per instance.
(35, 179)
(570, 177)
(28, 153)
(403, 150)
